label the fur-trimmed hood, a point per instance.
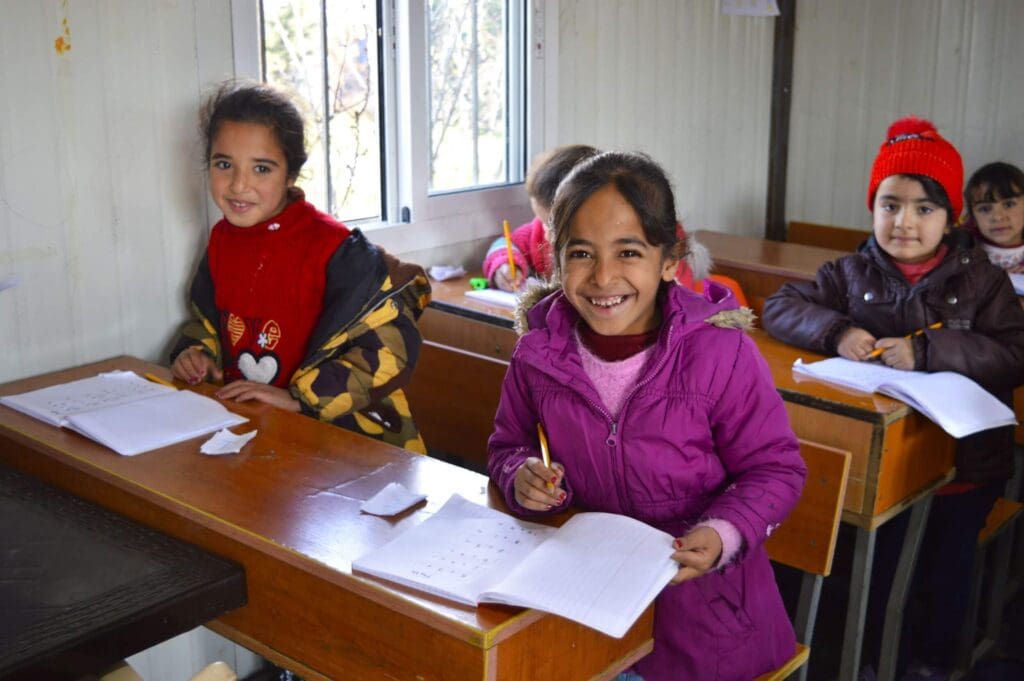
(717, 302)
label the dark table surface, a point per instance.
(82, 588)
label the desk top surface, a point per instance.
(449, 296)
(794, 261)
(84, 587)
(294, 491)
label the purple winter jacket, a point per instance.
(703, 435)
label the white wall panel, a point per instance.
(682, 82)
(860, 65)
(102, 208)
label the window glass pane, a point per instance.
(326, 56)
(468, 93)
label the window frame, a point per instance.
(405, 166)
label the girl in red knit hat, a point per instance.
(915, 273)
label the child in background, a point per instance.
(531, 247)
(531, 243)
(912, 273)
(995, 204)
(291, 307)
(656, 407)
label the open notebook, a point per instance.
(127, 413)
(956, 403)
(599, 569)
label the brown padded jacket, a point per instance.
(982, 333)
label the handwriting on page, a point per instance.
(100, 395)
(481, 547)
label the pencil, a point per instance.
(508, 250)
(157, 379)
(544, 452)
(878, 351)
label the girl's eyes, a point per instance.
(889, 207)
(630, 253)
(1011, 203)
(262, 169)
(925, 210)
(983, 209)
(221, 165)
(577, 254)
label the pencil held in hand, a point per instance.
(877, 352)
(508, 251)
(545, 453)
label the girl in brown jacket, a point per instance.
(912, 274)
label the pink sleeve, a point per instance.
(732, 540)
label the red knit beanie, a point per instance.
(913, 147)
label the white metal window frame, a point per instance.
(406, 174)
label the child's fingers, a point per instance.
(684, 574)
(532, 489)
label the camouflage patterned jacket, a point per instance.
(362, 350)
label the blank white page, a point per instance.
(864, 376)
(958, 404)
(600, 569)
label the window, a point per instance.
(408, 110)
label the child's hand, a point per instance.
(898, 353)
(503, 279)
(240, 391)
(856, 344)
(193, 366)
(532, 479)
(696, 553)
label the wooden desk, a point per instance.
(286, 509)
(84, 588)
(761, 266)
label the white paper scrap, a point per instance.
(444, 272)
(391, 500)
(226, 442)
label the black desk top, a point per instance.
(81, 587)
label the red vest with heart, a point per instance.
(269, 287)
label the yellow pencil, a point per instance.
(544, 452)
(878, 351)
(157, 379)
(508, 250)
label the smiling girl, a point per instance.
(656, 406)
(292, 308)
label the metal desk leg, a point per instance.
(860, 584)
(900, 588)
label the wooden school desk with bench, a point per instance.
(898, 457)
(287, 509)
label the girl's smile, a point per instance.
(610, 272)
(248, 173)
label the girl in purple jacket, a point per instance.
(658, 407)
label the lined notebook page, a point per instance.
(142, 425)
(457, 552)
(55, 403)
(600, 569)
